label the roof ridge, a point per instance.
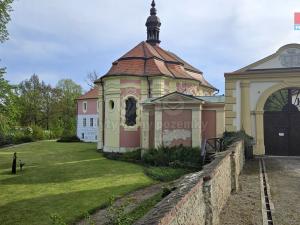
(145, 61)
(167, 52)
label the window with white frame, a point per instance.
(91, 122)
(84, 106)
(84, 122)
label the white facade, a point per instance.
(87, 127)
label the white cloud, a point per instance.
(217, 36)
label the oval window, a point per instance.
(111, 104)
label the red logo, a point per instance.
(297, 18)
(297, 21)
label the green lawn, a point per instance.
(67, 179)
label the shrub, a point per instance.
(5, 140)
(165, 174)
(37, 133)
(178, 156)
(231, 137)
(133, 156)
(72, 138)
(19, 137)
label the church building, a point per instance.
(151, 97)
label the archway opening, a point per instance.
(282, 122)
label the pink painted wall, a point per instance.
(209, 125)
(130, 139)
(180, 119)
(91, 107)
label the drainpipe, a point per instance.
(103, 112)
(149, 88)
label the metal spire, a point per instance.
(153, 26)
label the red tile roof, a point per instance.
(91, 94)
(151, 60)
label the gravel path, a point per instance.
(244, 208)
(284, 180)
(136, 198)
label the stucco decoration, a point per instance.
(169, 136)
(123, 112)
(290, 58)
(188, 88)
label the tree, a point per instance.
(5, 9)
(91, 78)
(8, 105)
(30, 92)
(69, 92)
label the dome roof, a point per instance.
(146, 60)
(153, 20)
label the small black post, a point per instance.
(14, 164)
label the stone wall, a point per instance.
(200, 197)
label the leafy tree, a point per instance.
(70, 91)
(8, 105)
(5, 9)
(31, 101)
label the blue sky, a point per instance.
(67, 39)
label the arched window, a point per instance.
(130, 112)
(287, 100)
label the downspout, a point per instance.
(149, 87)
(103, 112)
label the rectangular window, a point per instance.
(84, 122)
(98, 122)
(82, 136)
(84, 106)
(91, 122)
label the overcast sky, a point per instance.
(68, 38)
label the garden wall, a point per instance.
(200, 197)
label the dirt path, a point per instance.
(284, 180)
(244, 208)
(136, 198)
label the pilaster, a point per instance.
(245, 107)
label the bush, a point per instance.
(133, 156)
(19, 137)
(231, 137)
(72, 138)
(177, 157)
(5, 140)
(37, 133)
(165, 174)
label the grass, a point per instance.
(143, 208)
(165, 174)
(68, 179)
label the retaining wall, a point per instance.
(200, 197)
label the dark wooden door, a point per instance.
(276, 133)
(294, 128)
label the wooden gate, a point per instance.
(282, 123)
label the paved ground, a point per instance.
(284, 180)
(244, 207)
